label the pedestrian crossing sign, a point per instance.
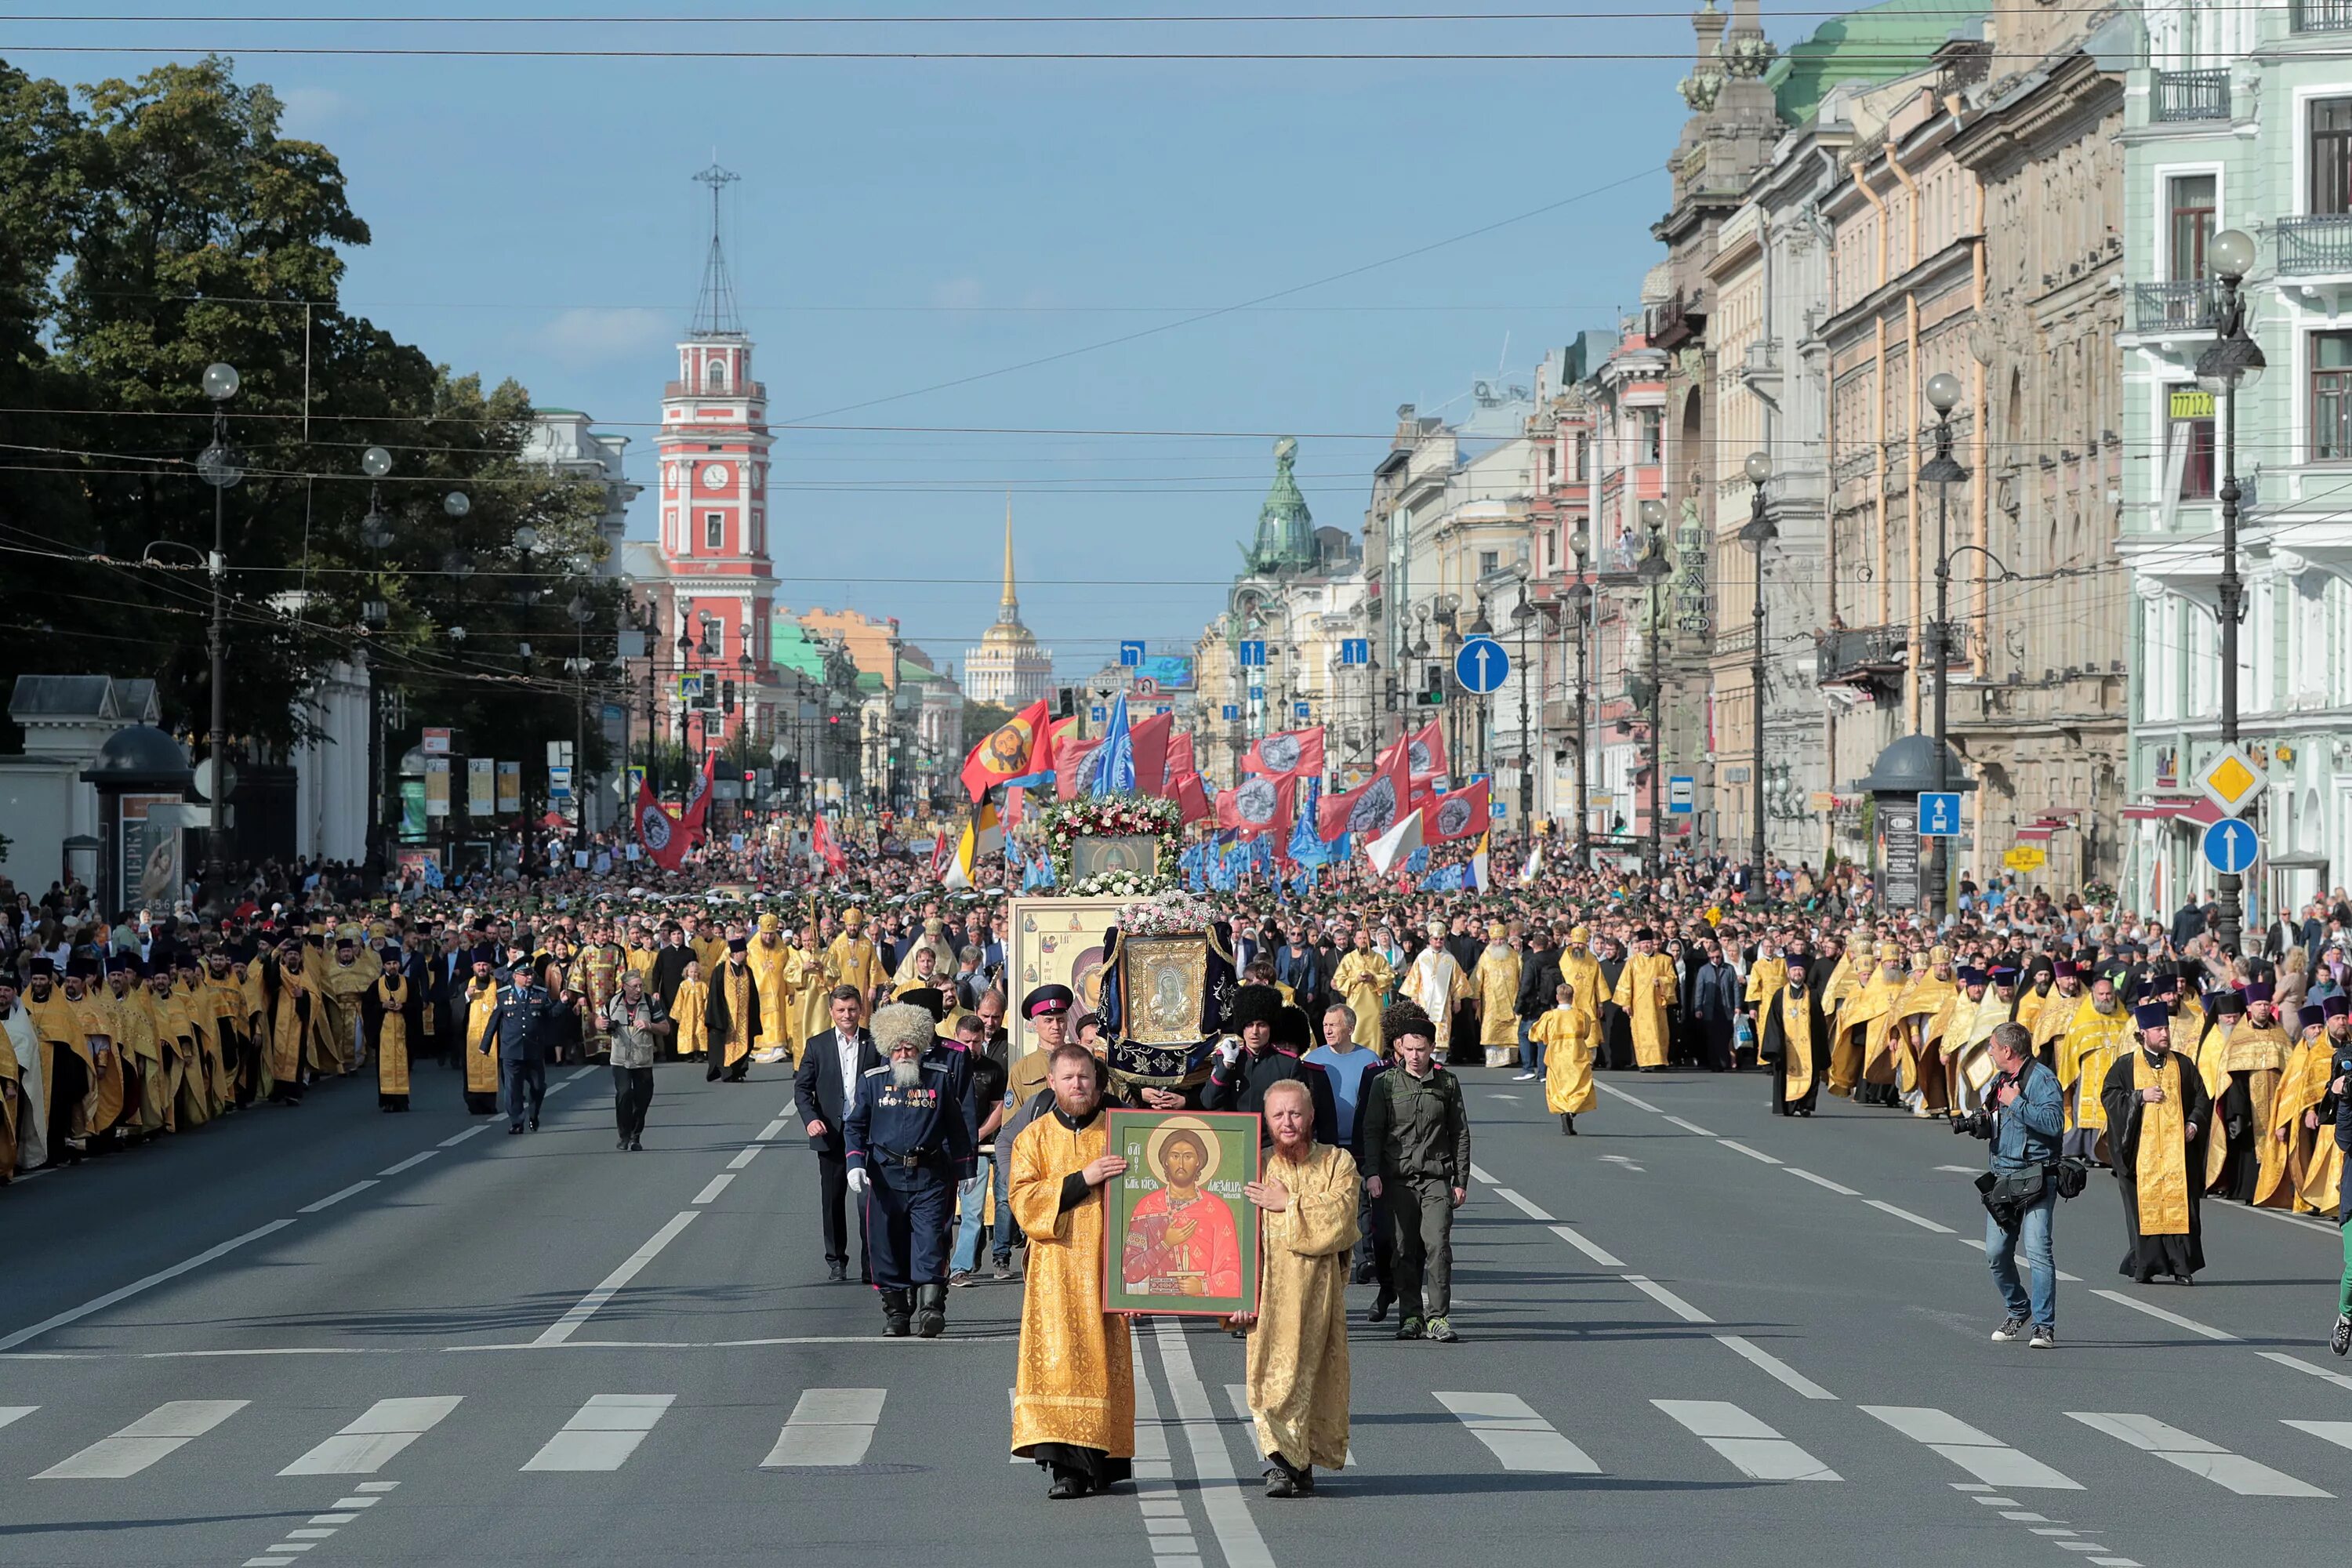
(2232, 781)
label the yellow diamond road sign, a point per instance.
(2231, 781)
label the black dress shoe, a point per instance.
(1379, 1313)
(837, 1273)
(1065, 1488)
(513, 1131)
(623, 1145)
(635, 1147)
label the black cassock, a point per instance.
(1772, 1044)
(2145, 1257)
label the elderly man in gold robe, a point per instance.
(2156, 1114)
(2099, 1035)
(1434, 982)
(2252, 1058)
(1581, 970)
(854, 961)
(1362, 980)
(1073, 1385)
(2304, 1173)
(1496, 982)
(1922, 1015)
(771, 959)
(733, 1011)
(810, 980)
(1298, 1335)
(1864, 1015)
(1645, 988)
(2056, 1012)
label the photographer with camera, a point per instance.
(2022, 1119)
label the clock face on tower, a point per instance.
(714, 477)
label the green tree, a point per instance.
(982, 719)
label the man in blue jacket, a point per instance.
(2027, 1120)
(523, 1031)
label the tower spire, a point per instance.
(1009, 607)
(715, 313)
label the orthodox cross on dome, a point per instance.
(715, 313)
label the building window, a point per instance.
(714, 375)
(2197, 467)
(2331, 397)
(1488, 560)
(714, 531)
(2330, 148)
(2190, 198)
(1654, 435)
(1583, 457)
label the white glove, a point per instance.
(857, 1179)
(1229, 1052)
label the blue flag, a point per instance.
(1114, 767)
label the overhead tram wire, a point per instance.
(573, 19)
(1863, 57)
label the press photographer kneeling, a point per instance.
(2022, 1119)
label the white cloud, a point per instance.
(311, 110)
(579, 338)
(958, 294)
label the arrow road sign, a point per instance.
(1232, 711)
(2230, 845)
(1253, 655)
(1482, 666)
(1940, 815)
(1130, 655)
(1299, 710)
(1355, 650)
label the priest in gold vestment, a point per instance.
(2157, 1115)
(1645, 989)
(1298, 1335)
(1362, 980)
(1860, 1066)
(1074, 1389)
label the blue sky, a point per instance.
(901, 224)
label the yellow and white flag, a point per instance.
(984, 836)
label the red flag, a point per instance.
(1260, 806)
(1149, 737)
(1074, 765)
(1015, 805)
(1180, 758)
(1426, 747)
(1373, 808)
(697, 803)
(938, 853)
(664, 837)
(1191, 795)
(1458, 813)
(821, 841)
(1021, 746)
(1289, 753)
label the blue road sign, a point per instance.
(1355, 650)
(1298, 710)
(1232, 711)
(1253, 655)
(1102, 714)
(2230, 845)
(1130, 655)
(1682, 795)
(1482, 666)
(1940, 815)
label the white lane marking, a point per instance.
(1776, 1366)
(160, 1431)
(1502, 1096)
(827, 1427)
(1734, 1143)
(1480, 1173)
(1985, 1456)
(268, 1561)
(1666, 1299)
(772, 1129)
(1237, 1395)
(410, 1164)
(2175, 1319)
(333, 1518)
(383, 1430)
(2123, 1562)
(1612, 1090)
(307, 1535)
(1516, 1435)
(125, 1292)
(1621, 1160)
(377, 1487)
(460, 1138)
(1883, 1206)
(2194, 1454)
(9, 1413)
(1753, 1449)
(584, 1072)
(2337, 1432)
(332, 1199)
(357, 1501)
(2337, 1378)
(713, 1187)
(1804, 1175)
(1957, 1169)
(1976, 1245)
(1589, 1249)
(564, 1327)
(604, 1433)
(1520, 1204)
(1213, 1463)
(1690, 1126)
(745, 1158)
(2303, 1222)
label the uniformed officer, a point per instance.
(524, 1028)
(909, 1142)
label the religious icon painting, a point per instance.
(1183, 1236)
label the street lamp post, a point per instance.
(375, 534)
(1654, 571)
(1581, 545)
(1756, 536)
(1943, 471)
(1523, 613)
(219, 466)
(2234, 359)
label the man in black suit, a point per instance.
(824, 1088)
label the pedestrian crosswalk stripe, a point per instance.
(1985, 1456)
(1516, 1435)
(827, 1427)
(1753, 1449)
(2194, 1454)
(154, 1435)
(602, 1434)
(366, 1445)
(9, 1413)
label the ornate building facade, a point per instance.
(1008, 669)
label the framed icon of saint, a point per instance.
(1183, 1236)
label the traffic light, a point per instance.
(707, 694)
(1432, 689)
(726, 698)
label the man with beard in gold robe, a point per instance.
(478, 1009)
(1985, 1003)
(2100, 1033)
(26, 1111)
(390, 1008)
(1792, 1039)
(1860, 1069)
(1074, 1389)
(770, 961)
(344, 984)
(2251, 1061)
(808, 979)
(1306, 1192)
(2305, 1174)
(1434, 981)
(146, 1108)
(1581, 970)
(1496, 982)
(65, 1062)
(1362, 980)
(2056, 1014)
(2156, 1110)
(1923, 1014)
(294, 1023)
(854, 961)
(734, 1014)
(1645, 989)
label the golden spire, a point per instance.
(1009, 610)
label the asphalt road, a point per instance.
(331, 1337)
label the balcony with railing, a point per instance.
(2190, 307)
(2192, 95)
(2321, 15)
(2315, 245)
(1879, 655)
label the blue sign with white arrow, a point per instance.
(1355, 650)
(1253, 655)
(1232, 711)
(2232, 845)
(1482, 666)
(1299, 710)
(1940, 815)
(1130, 655)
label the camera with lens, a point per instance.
(1977, 1123)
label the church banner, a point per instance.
(1181, 1235)
(1057, 941)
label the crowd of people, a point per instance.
(2070, 1033)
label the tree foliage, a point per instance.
(149, 229)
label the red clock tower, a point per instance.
(713, 450)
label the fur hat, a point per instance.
(1254, 1005)
(899, 1024)
(1401, 1018)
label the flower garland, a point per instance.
(1065, 821)
(1172, 913)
